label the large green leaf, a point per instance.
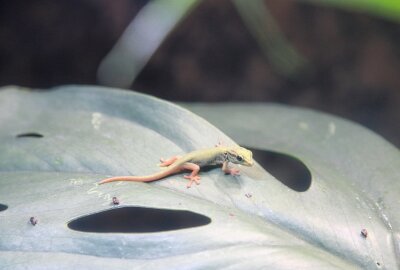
(88, 133)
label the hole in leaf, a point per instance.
(30, 135)
(3, 207)
(138, 220)
(288, 170)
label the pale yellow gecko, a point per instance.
(193, 161)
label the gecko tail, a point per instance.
(127, 178)
(147, 178)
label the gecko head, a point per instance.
(240, 155)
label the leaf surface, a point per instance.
(88, 133)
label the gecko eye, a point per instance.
(239, 158)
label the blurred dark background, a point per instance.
(351, 64)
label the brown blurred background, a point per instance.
(352, 58)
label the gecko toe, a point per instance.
(192, 178)
(234, 172)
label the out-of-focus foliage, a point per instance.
(389, 9)
(158, 18)
(140, 40)
(262, 25)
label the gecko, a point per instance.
(193, 161)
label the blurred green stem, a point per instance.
(261, 24)
(140, 41)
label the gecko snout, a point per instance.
(249, 163)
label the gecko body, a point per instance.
(193, 161)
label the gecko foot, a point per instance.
(220, 143)
(192, 178)
(232, 171)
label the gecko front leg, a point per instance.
(227, 170)
(193, 177)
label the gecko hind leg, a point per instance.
(167, 162)
(193, 177)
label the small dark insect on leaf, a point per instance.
(33, 221)
(364, 233)
(115, 201)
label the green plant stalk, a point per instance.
(282, 55)
(141, 39)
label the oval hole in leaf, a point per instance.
(288, 170)
(3, 207)
(131, 219)
(30, 135)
